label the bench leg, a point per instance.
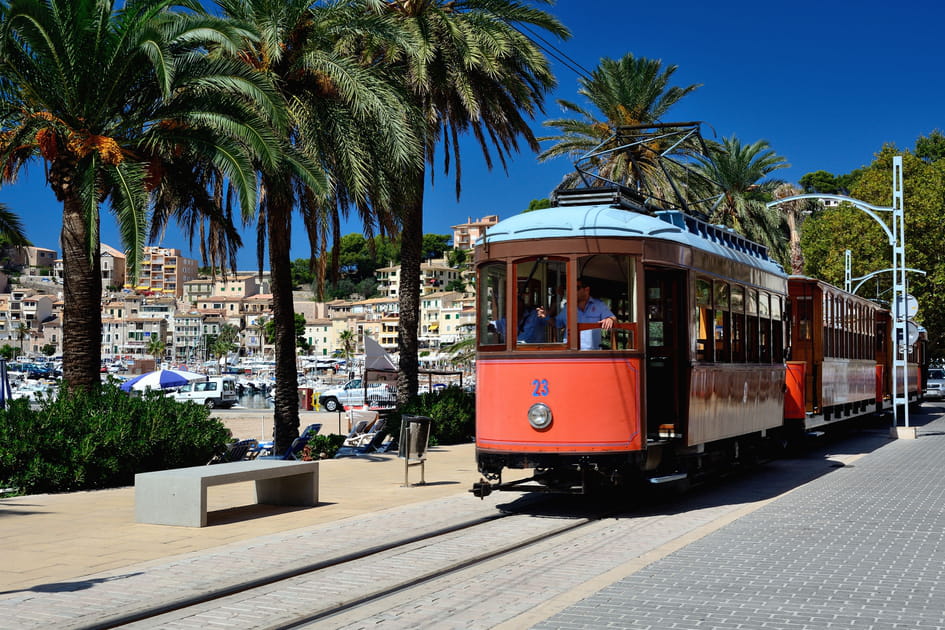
(292, 490)
(163, 501)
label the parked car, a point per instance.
(352, 394)
(935, 386)
(215, 392)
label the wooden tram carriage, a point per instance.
(694, 373)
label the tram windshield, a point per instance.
(526, 303)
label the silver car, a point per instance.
(935, 386)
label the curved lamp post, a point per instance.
(895, 233)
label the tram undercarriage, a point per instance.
(663, 463)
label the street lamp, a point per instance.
(897, 240)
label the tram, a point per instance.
(709, 353)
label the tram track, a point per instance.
(343, 584)
(278, 577)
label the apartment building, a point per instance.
(113, 268)
(466, 234)
(165, 271)
(434, 276)
(243, 284)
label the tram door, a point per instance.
(665, 349)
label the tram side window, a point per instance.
(751, 317)
(777, 329)
(704, 351)
(828, 325)
(722, 332)
(492, 320)
(804, 312)
(540, 288)
(738, 324)
(764, 328)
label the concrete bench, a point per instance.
(179, 496)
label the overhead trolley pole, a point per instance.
(900, 345)
(895, 233)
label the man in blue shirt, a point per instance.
(590, 311)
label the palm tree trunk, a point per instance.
(286, 413)
(82, 308)
(409, 296)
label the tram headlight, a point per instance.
(539, 416)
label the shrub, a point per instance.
(452, 410)
(324, 446)
(82, 441)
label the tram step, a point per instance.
(668, 478)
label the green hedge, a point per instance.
(452, 410)
(83, 441)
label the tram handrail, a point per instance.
(630, 327)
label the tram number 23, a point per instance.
(540, 387)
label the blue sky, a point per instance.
(825, 83)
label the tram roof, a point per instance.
(602, 221)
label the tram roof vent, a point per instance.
(720, 234)
(616, 196)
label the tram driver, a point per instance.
(590, 311)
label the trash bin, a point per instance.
(414, 437)
(305, 398)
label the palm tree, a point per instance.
(629, 93)
(156, 348)
(11, 229)
(793, 215)
(347, 128)
(22, 332)
(112, 98)
(468, 67)
(346, 337)
(736, 174)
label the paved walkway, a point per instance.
(862, 547)
(53, 539)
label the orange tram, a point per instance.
(711, 353)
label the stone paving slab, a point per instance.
(862, 547)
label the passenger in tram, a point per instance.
(590, 311)
(531, 327)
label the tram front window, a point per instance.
(492, 308)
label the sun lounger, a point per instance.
(236, 451)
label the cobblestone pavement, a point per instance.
(840, 539)
(862, 547)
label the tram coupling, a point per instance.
(481, 489)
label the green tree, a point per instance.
(467, 67)
(11, 229)
(347, 339)
(345, 119)
(22, 332)
(111, 99)
(225, 342)
(735, 172)
(8, 352)
(930, 148)
(302, 272)
(820, 182)
(538, 204)
(826, 235)
(435, 244)
(625, 92)
(458, 258)
(156, 347)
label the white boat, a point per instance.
(34, 390)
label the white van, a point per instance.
(216, 391)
